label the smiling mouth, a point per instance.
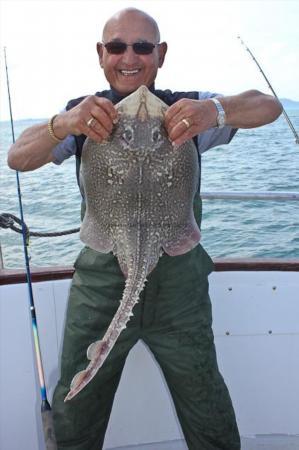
(129, 73)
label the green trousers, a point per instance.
(173, 318)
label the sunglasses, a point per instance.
(140, 48)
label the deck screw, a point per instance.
(227, 333)
(230, 288)
(270, 331)
(274, 288)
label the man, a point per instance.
(173, 316)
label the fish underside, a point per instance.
(139, 193)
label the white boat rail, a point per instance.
(243, 195)
(1, 258)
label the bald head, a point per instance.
(132, 15)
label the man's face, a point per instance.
(128, 71)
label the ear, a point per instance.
(162, 52)
(100, 52)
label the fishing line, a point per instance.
(46, 412)
(274, 93)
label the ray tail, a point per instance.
(98, 351)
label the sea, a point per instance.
(260, 159)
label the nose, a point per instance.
(129, 55)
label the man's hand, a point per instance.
(94, 117)
(187, 118)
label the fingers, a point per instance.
(180, 110)
(180, 133)
(105, 106)
(99, 123)
(179, 122)
(102, 117)
(187, 118)
(95, 131)
(94, 117)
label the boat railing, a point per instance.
(243, 195)
(1, 258)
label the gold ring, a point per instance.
(90, 122)
(186, 122)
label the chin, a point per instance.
(128, 88)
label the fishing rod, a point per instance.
(271, 88)
(46, 413)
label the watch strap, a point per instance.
(221, 117)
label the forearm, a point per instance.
(32, 149)
(250, 109)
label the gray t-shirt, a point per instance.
(206, 140)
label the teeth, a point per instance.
(129, 72)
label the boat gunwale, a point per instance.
(51, 273)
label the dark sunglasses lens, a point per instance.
(143, 48)
(116, 48)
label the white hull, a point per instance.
(259, 360)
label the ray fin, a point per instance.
(94, 349)
(77, 379)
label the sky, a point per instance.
(51, 48)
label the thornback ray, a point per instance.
(139, 193)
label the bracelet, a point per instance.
(51, 131)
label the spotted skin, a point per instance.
(139, 194)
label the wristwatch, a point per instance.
(221, 117)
